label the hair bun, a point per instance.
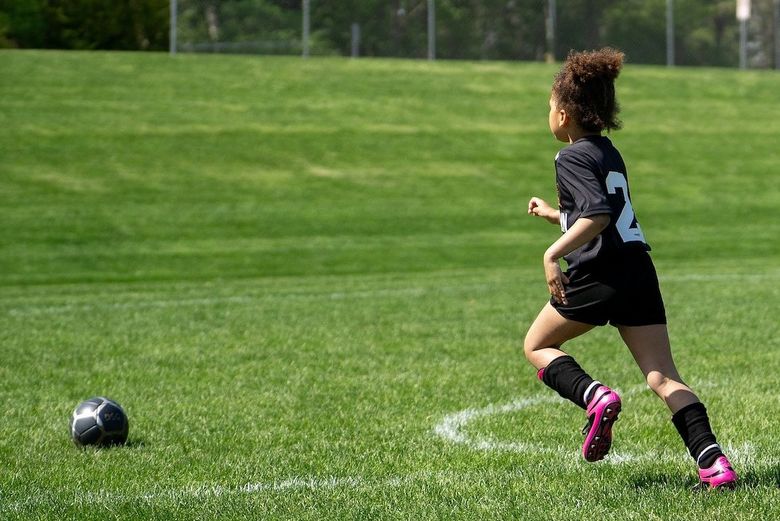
(604, 64)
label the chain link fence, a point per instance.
(679, 32)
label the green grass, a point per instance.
(291, 272)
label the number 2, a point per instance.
(624, 223)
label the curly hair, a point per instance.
(585, 88)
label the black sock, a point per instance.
(565, 376)
(694, 427)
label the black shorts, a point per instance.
(622, 290)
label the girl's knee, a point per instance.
(656, 381)
(529, 347)
(533, 346)
(663, 383)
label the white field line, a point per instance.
(34, 309)
(414, 291)
(687, 277)
(293, 484)
(453, 429)
(745, 455)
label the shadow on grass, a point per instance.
(768, 476)
(761, 477)
(661, 479)
(133, 444)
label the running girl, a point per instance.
(610, 276)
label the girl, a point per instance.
(610, 276)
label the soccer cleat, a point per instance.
(602, 412)
(719, 476)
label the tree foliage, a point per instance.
(84, 24)
(706, 31)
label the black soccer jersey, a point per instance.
(591, 179)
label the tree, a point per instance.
(120, 24)
(22, 23)
(84, 24)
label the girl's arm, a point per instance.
(540, 208)
(581, 232)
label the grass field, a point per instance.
(308, 283)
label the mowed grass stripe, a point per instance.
(289, 272)
(212, 294)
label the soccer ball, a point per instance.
(99, 421)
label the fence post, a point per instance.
(549, 27)
(172, 32)
(306, 25)
(743, 44)
(670, 33)
(776, 29)
(431, 30)
(743, 15)
(355, 40)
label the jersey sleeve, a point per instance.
(579, 178)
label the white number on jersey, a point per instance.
(624, 223)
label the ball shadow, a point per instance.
(134, 443)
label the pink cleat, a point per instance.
(720, 475)
(602, 412)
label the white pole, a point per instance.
(670, 33)
(306, 25)
(743, 44)
(355, 40)
(743, 15)
(431, 30)
(172, 44)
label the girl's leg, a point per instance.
(556, 369)
(561, 372)
(650, 347)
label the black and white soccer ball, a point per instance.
(100, 422)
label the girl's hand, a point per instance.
(539, 208)
(555, 279)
